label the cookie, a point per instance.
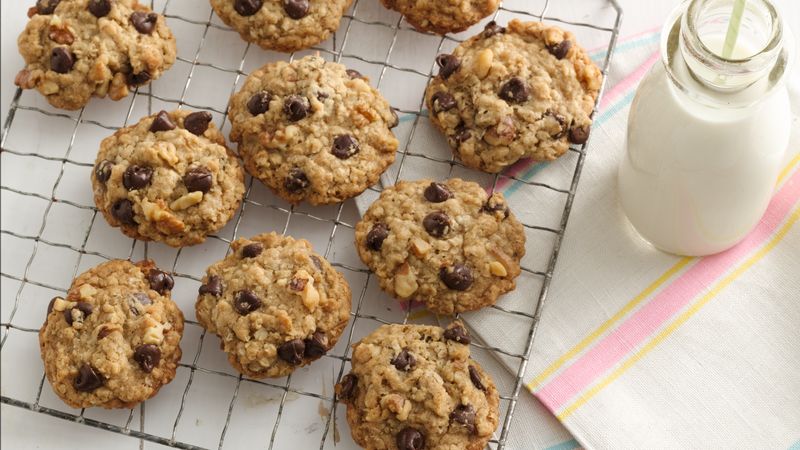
(76, 49)
(526, 91)
(169, 178)
(275, 305)
(448, 244)
(313, 130)
(415, 387)
(282, 25)
(442, 17)
(114, 340)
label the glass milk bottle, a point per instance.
(707, 132)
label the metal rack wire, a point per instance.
(339, 44)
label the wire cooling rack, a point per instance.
(298, 411)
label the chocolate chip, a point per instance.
(296, 107)
(88, 379)
(46, 6)
(457, 277)
(84, 308)
(437, 223)
(457, 333)
(296, 181)
(197, 122)
(317, 262)
(448, 64)
(321, 96)
(138, 79)
(437, 192)
(560, 50)
(160, 282)
(122, 210)
(50, 305)
(316, 345)
(475, 377)
(162, 122)
(136, 301)
(259, 103)
(245, 302)
(298, 284)
(99, 8)
(578, 135)
(252, 250)
(495, 204)
(296, 9)
(354, 74)
(104, 332)
(443, 101)
(136, 177)
(464, 415)
(410, 439)
(148, 357)
(491, 29)
(395, 119)
(404, 361)
(213, 286)
(102, 171)
(344, 146)
(347, 387)
(376, 236)
(462, 134)
(292, 352)
(515, 90)
(61, 60)
(247, 7)
(198, 179)
(144, 22)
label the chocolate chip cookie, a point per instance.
(526, 91)
(447, 244)
(282, 25)
(442, 17)
(113, 341)
(415, 387)
(275, 304)
(313, 130)
(169, 178)
(76, 49)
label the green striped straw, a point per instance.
(733, 28)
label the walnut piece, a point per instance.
(420, 248)
(405, 283)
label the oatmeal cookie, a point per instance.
(526, 91)
(449, 244)
(313, 130)
(415, 387)
(282, 25)
(169, 178)
(114, 340)
(443, 16)
(275, 304)
(76, 49)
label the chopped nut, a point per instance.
(25, 79)
(60, 34)
(86, 291)
(420, 247)
(396, 404)
(153, 211)
(497, 269)
(483, 64)
(502, 259)
(60, 304)
(405, 283)
(49, 87)
(119, 87)
(503, 133)
(261, 334)
(153, 334)
(187, 200)
(310, 296)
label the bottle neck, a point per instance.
(703, 32)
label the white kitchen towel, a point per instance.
(640, 349)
